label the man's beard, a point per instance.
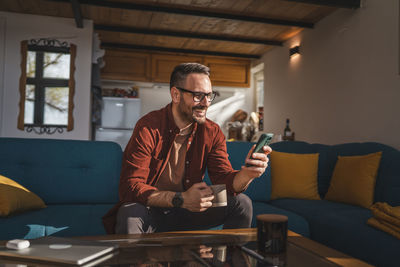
(189, 113)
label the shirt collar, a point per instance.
(171, 122)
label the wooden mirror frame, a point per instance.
(44, 128)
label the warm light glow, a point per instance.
(295, 61)
(295, 56)
(343, 261)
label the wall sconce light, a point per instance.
(294, 51)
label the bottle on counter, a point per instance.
(287, 132)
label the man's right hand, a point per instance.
(197, 198)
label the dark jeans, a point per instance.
(135, 218)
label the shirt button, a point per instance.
(187, 162)
(170, 131)
(187, 181)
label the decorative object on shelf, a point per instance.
(235, 131)
(288, 135)
(237, 125)
(132, 92)
(252, 127)
(240, 115)
(97, 52)
(254, 120)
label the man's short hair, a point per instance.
(180, 72)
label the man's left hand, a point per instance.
(258, 162)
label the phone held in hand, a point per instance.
(264, 140)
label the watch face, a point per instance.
(177, 201)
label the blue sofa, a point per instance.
(78, 180)
(337, 225)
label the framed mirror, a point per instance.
(46, 86)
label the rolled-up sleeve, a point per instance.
(219, 167)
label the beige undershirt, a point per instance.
(171, 177)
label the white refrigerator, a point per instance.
(118, 118)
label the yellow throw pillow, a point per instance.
(353, 179)
(16, 198)
(294, 175)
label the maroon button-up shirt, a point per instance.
(148, 151)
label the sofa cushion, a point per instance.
(296, 222)
(63, 171)
(387, 182)
(14, 198)
(348, 232)
(57, 220)
(353, 179)
(294, 175)
(326, 161)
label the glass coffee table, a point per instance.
(222, 248)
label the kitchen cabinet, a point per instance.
(229, 72)
(126, 65)
(157, 67)
(163, 65)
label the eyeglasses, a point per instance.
(198, 97)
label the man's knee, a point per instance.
(133, 218)
(240, 212)
(245, 204)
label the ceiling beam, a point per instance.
(174, 9)
(186, 35)
(76, 9)
(177, 50)
(333, 3)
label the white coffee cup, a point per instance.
(220, 197)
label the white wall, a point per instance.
(345, 85)
(24, 27)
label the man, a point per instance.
(161, 187)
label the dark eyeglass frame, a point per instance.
(209, 96)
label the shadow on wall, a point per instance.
(222, 111)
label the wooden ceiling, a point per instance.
(238, 28)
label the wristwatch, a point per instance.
(177, 201)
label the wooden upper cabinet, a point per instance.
(163, 65)
(229, 72)
(126, 65)
(149, 67)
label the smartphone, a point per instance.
(264, 140)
